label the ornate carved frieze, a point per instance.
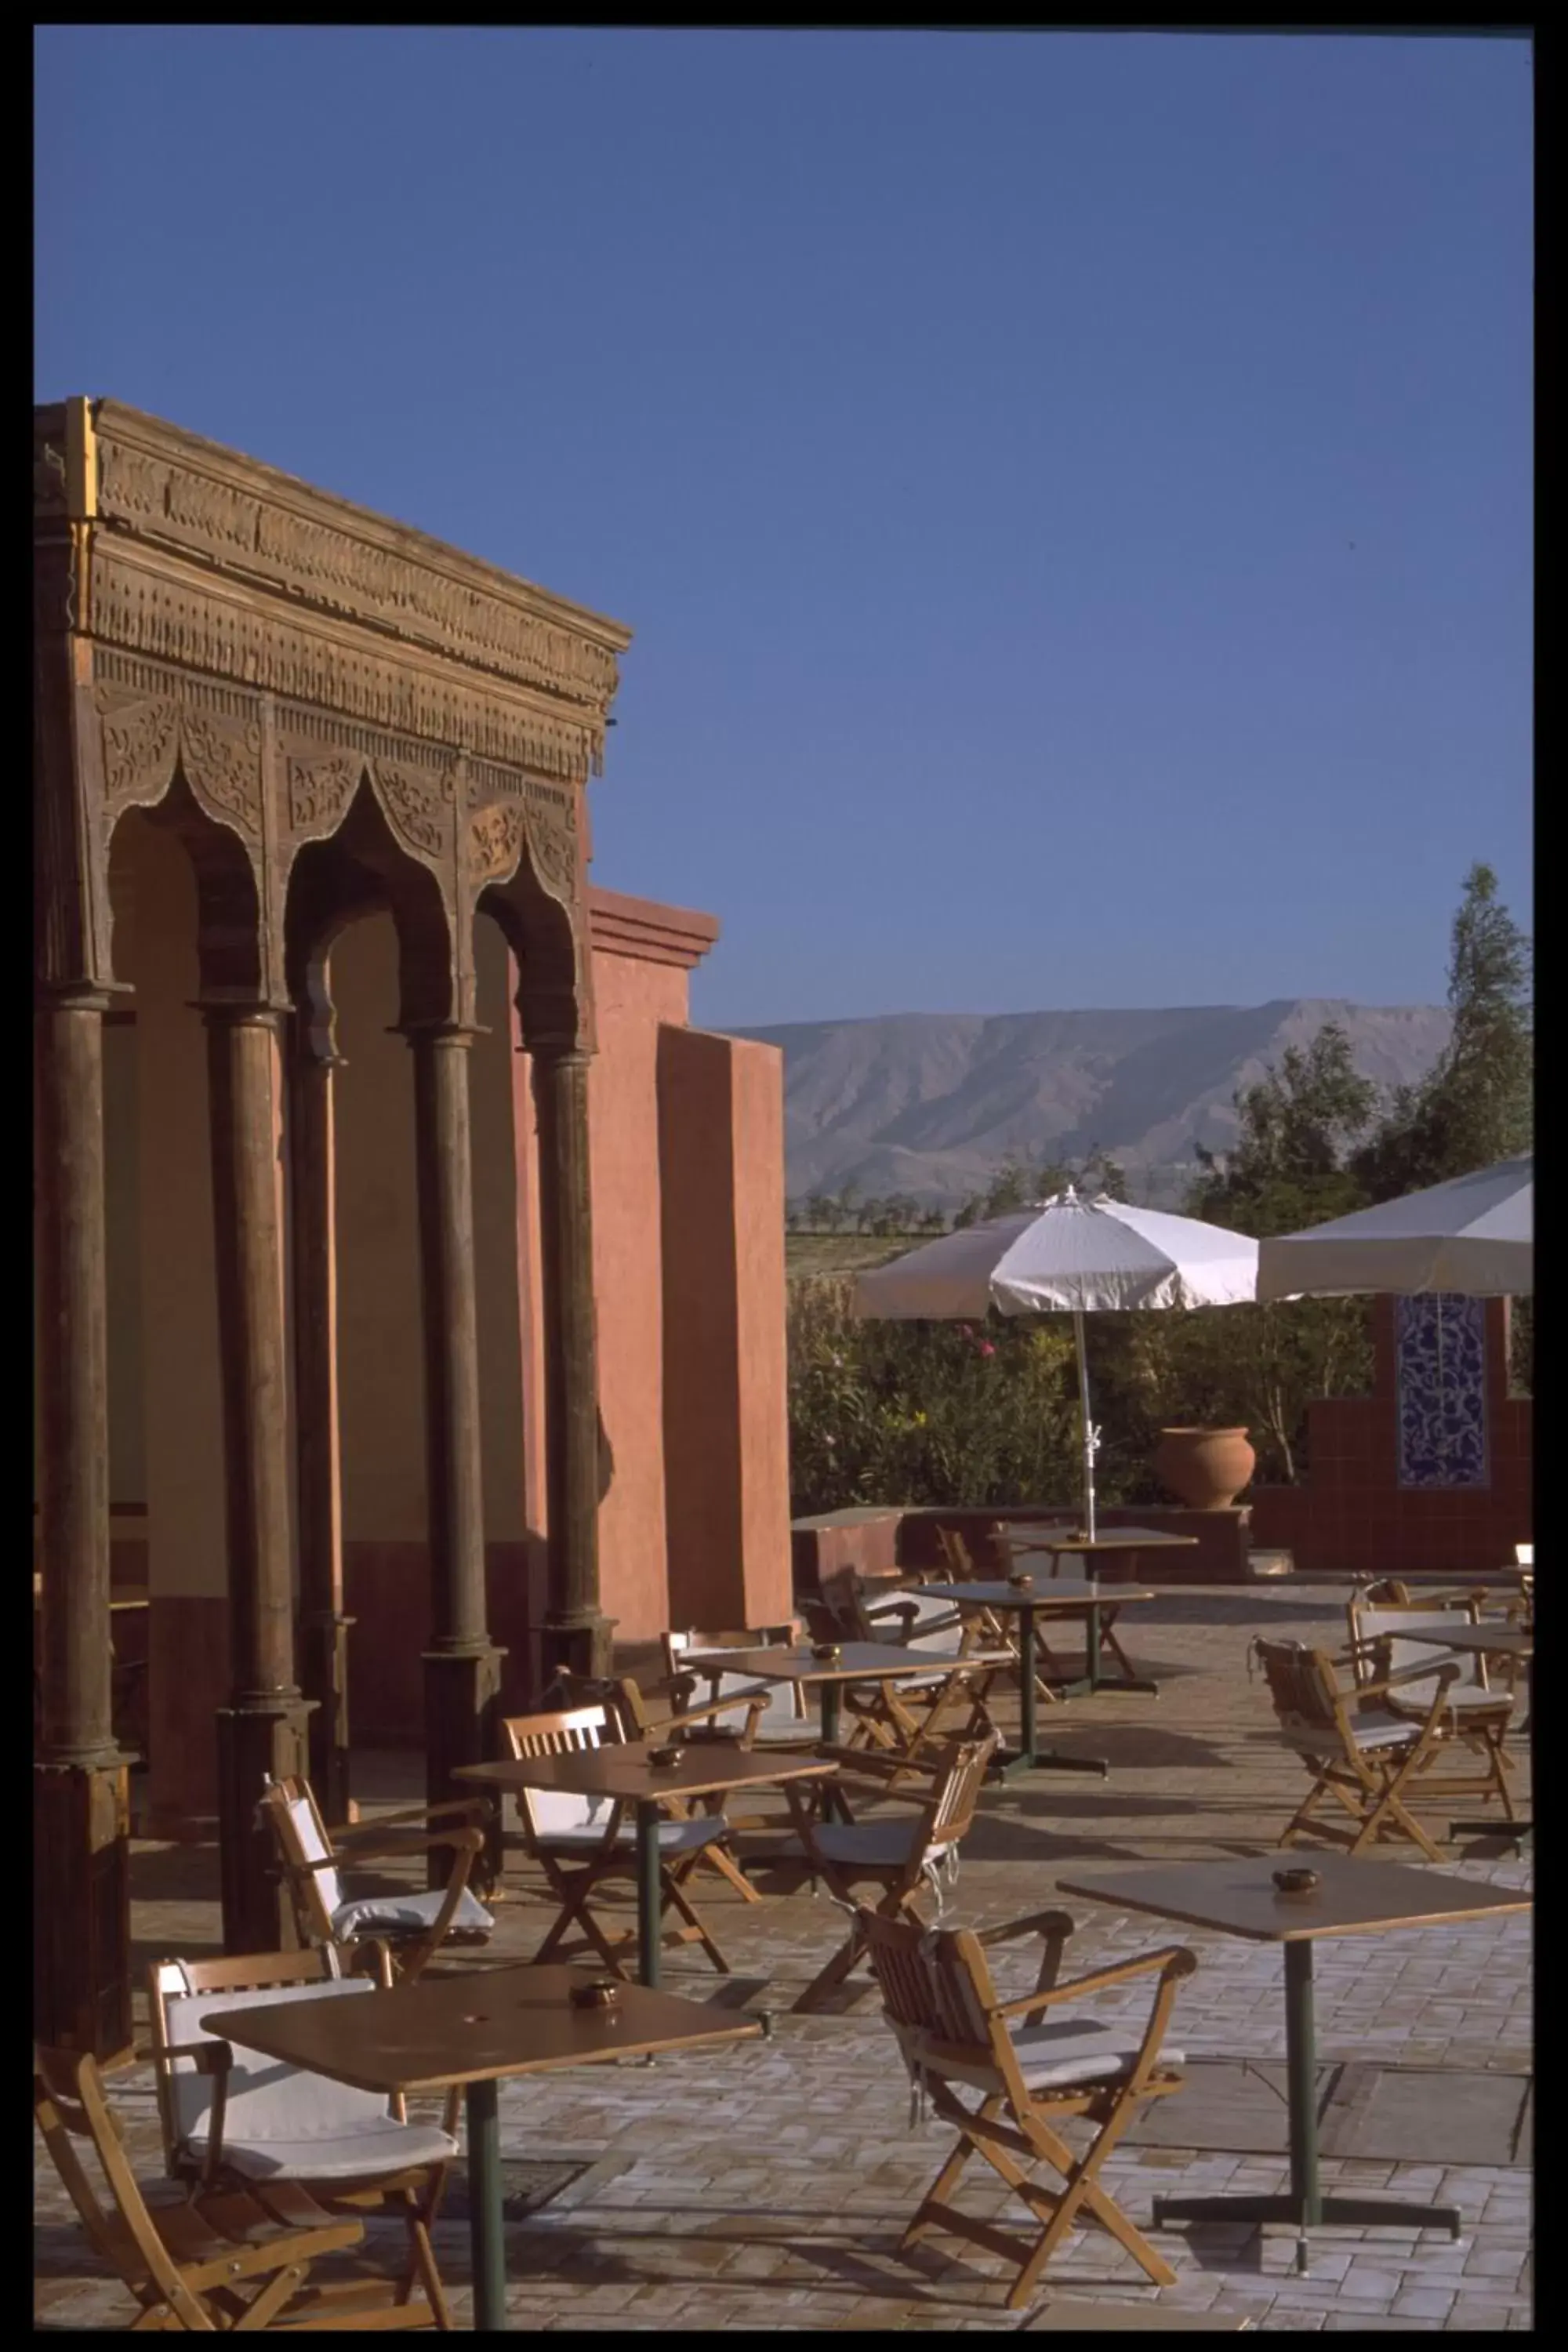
(495, 842)
(320, 791)
(201, 627)
(230, 512)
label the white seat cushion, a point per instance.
(1055, 2056)
(873, 1845)
(674, 1837)
(409, 1915)
(380, 2145)
(1377, 1728)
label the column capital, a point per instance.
(439, 1033)
(80, 996)
(221, 1011)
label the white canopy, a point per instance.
(1473, 1236)
(1086, 1256)
(1083, 1256)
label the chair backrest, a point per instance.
(936, 1990)
(956, 1792)
(265, 2099)
(1302, 1686)
(566, 1732)
(786, 1701)
(301, 1839)
(69, 2106)
(1386, 1623)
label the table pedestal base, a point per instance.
(1087, 1686)
(1332, 2212)
(1516, 1833)
(1007, 1764)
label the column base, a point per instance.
(577, 1639)
(81, 1909)
(462, 1701)
(267, 1738)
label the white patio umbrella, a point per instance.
(1473, 1236)
(1069, 1254)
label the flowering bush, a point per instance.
(925, 1412)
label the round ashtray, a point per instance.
(597, 1992)
(1297, 1882)
(1021, 1577)
(671, 1752)
(828, 1652)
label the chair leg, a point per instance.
(717, 1859)
(675, 1895)
(932, 2206)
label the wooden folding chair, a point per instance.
(905, 1716)
(412, 1924)
(640, 1716)
(1475, 1717)
(901, 1857)
(580, 1841)
(956, 2035)
(232, 2120)
(1364, 1755)
(215, 2261)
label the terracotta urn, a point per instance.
(1204, 1468)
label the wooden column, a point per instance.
(575, 1635)
(81, 1986)
(262, 1731)
(462, 1666)
(323, 1627)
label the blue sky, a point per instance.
(1073, 493)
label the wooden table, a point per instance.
(1484, 1641)
(1065, 1596)
(1353, 1898)
(472, 2029)
(857, 1661)
(626, 1776)
(1061, 1543)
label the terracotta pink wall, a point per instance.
(633, 999)
(726, 1425)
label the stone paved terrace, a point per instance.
(766, 2185)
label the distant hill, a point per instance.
(930, 1104)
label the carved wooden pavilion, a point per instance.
(335, 718)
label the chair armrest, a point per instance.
(215, 2058)
(469, 1841)
(878, 1762)
(1174, 1960)
(1447, 1670)
(755, 1703)
(472, 1809)
(1053, 1926)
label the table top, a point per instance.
(1058, 1539)
(1486, 1641)
(705, 1769)
(471, 2028)
(1064, 1593)
(1353, 1898)
(859, 1662)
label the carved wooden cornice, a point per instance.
(205, 557)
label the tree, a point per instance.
(1474, 1107)
(1298, 1126)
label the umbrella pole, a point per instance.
(1091, 1434)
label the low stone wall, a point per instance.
(880, 1540)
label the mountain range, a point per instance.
(930, 1104)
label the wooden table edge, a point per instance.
(1306, 1932)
